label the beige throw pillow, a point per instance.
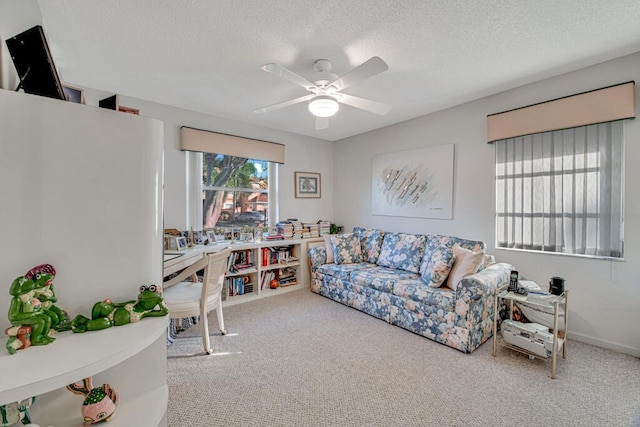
(466, 263)
(329, 248)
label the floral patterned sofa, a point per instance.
(441, 287)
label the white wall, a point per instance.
(604, 295)
(301, 154)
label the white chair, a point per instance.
(189, 299)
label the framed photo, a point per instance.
(211, 236)
(73, 93)
(307, 185)
(181, 243)
(128, 110)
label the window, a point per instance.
(561, 191)
(235, 191)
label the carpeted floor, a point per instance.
(299, 359)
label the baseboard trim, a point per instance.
(604, 344)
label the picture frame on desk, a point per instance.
(182, 243)
(176, 243)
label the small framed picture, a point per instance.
(211, 237)
(181, 243)
(73, 93)
(307, 185)
(128, 110)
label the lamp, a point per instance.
(323, 106)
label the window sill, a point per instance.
(593, 257)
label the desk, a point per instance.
(179, 260)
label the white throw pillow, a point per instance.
(466, 263)
(329, 248)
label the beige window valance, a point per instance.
(598, 106)
(204, 141)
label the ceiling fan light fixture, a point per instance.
(323, 106)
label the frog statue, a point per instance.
(106, 313)
(33, 312)
(43, 276)
(26, 310)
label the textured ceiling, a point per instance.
(205, 55)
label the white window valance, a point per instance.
(204, 141)
(598, 106)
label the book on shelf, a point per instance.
(267, 277)
(239, 285)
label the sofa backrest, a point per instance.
(435, 240)
(403, 251)
(371, 243)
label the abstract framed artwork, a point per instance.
(414, 183)
(307, 185)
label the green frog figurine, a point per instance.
(106, 314)
(43, 276)
(27, 310)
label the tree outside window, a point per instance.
(235, 191)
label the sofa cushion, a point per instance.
(346, 249)
(371, 243)
(466, 263)
(402, 251)
(342, 271)
(436, 268)
(417, 290)
(380, 278)
(329, 249)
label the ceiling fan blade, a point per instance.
(322, 123)
(364, 104)
(286, 74)
(362, 72)
(283, 104)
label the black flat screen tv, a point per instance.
(33, 61)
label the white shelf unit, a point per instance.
(257, 272)
(552, 302)
(108, 355)
(92, 208)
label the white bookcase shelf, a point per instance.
(268, 261)
(72, 357)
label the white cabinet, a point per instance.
(82, 190)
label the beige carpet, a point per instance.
(299, 359)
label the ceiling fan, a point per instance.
(325, 89)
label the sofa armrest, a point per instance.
(484, 283)
(317, 256)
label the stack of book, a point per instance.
(297, 229)
(325, 227)
(285, 229)
(311, 230)
(287, 277)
